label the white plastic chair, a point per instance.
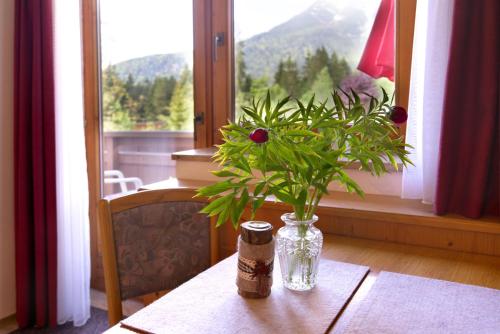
(116, 176)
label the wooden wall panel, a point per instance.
(381, 227)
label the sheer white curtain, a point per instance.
(73, 245)
(431, 44)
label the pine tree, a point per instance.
(314, 64)
(338, 69)
(115, 102)
(160, 97)
(181, 105)
(322, 86)
(139, 105)
(278, 76)
(287, 76)
(243, 79)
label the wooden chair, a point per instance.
(152, 240)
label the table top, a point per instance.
(452, 266)
(399, 303)
(209, 303)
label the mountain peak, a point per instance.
(324, 24)
(324, 5)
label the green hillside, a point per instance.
(149, 67)
(321, 25)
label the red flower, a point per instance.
(398, 114)
(259, 136)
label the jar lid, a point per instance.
(256, 232)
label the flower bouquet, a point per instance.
(291, 151)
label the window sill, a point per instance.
(198, 154)
(205, 155)
(373, 208)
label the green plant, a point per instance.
(293, 151)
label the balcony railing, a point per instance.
(143, 154)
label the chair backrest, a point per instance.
(152, 240)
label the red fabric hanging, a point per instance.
(35, 163)
(469, 166)
(378, 57)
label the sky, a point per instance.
(137, 28)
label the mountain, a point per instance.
(149, 67)
(323, 24)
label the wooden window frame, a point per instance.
(405, 22)
(212, 83)
(90, 38)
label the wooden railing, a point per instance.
(143, 154)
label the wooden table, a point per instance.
(448, 265)
(209, 303)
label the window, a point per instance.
(146, 90)
(302, 47)
(139, 94)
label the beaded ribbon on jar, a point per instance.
(258, 271)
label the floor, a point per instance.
(454, 266)
(97, 324)
(8, 325)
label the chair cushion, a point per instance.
(160, 246)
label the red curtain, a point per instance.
(378, 57)
(468, 179)
(34, 152)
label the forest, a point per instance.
(163, 104)
(166, 103)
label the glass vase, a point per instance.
(299, 246)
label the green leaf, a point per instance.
(259, 187)
(214, 205)
(302, 133)
(217, 188)
(224, 214)
(385, 98)
(240, 207)
(283, 196)
(277, 109)
(339, 105)
(224, 173)
(268, 106)
(257, 203)
(357, 100)
(302, 196)
(243, 165)
(392, 160)
(258, 120)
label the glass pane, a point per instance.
(297, 47)
(147, 89)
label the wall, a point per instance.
(7, 275)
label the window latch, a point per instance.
(199, 119)
(219, 39)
